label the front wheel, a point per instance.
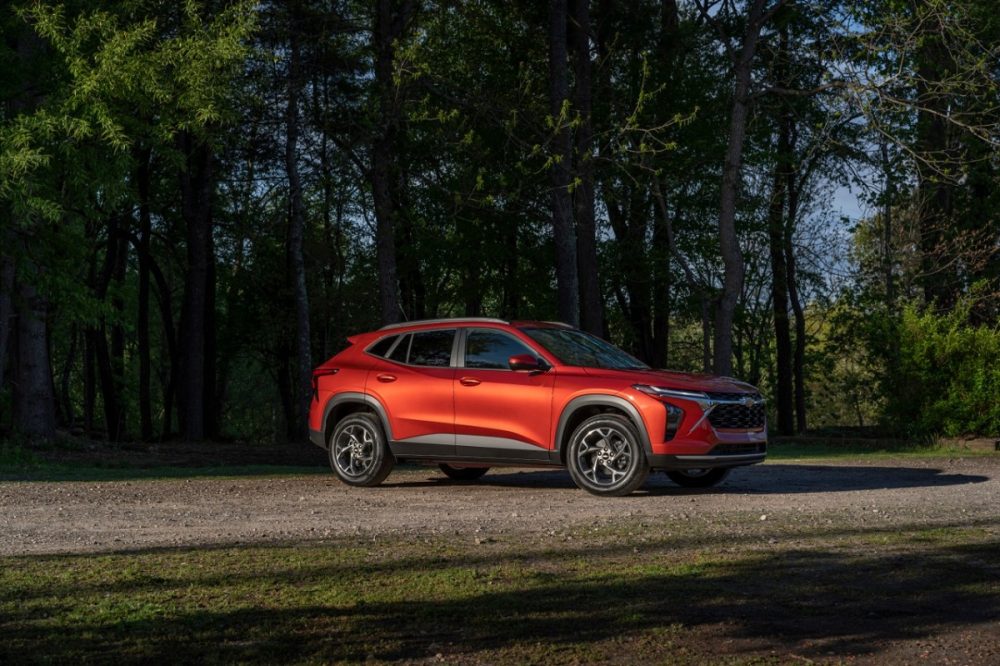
(698, 478)
(358, 451)
(463, 473)
(605, 456)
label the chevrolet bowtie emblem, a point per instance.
(748, 402)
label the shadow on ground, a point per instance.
(810, 602)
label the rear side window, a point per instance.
(381, 347)
(490, 350)
(431, 348)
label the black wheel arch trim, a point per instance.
(600, 400)
(350, 397)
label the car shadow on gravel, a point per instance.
(782, 478)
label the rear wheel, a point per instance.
(698, 478)
(358, 451)
(605, 456)
(463, 473)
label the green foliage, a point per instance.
(944, 373)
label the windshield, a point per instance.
(581, 349)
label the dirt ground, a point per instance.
(57, 517)
(778, 508)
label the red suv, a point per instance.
(469, 394)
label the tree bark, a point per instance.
(195, 389)
(591, 302)
(564, 236)
(388, 23)
(34, 399)
(6, 308)
(296, 239)
(732, 171)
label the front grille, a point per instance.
(737, 417)
(732, 396)
(738, 449)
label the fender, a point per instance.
(351, 396)
(600, 400)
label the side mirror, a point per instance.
(527, 362)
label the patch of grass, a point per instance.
(39, 470)
(625, 600)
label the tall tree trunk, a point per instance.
(296, 239)
(776, 246)
(65, 393)
(732, 176)
(779, 286)
(567, 285)
(143, 159)
(591, 302)
(34, 399)
(934, 64)
(662, 234)
(387, 26)
(195, 389)
(105, 356)
(6, 307)
(799, 353)
(888, 260)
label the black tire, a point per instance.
(463, 473)
(358, 452)
(698, 478)
(605, 456)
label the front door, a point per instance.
(500, 414)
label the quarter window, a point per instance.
(490, 350)
(382, 346)
(432, 348)
(401, 350)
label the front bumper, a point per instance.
(317, 437)
(690, 461)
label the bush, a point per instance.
(943, 375)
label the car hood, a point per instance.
(684, 381)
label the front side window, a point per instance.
(490, 350)
(573, 347)
(432, 348)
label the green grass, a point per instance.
(603, 598)
(63, 472)
(20, 463)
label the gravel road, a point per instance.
(43, 517)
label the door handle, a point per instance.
(385, 378)
(469, 381)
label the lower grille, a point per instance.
(737, 417)
(738, 449)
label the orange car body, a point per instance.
(455, 413)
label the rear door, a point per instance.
(500, 414)
(415, 384)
